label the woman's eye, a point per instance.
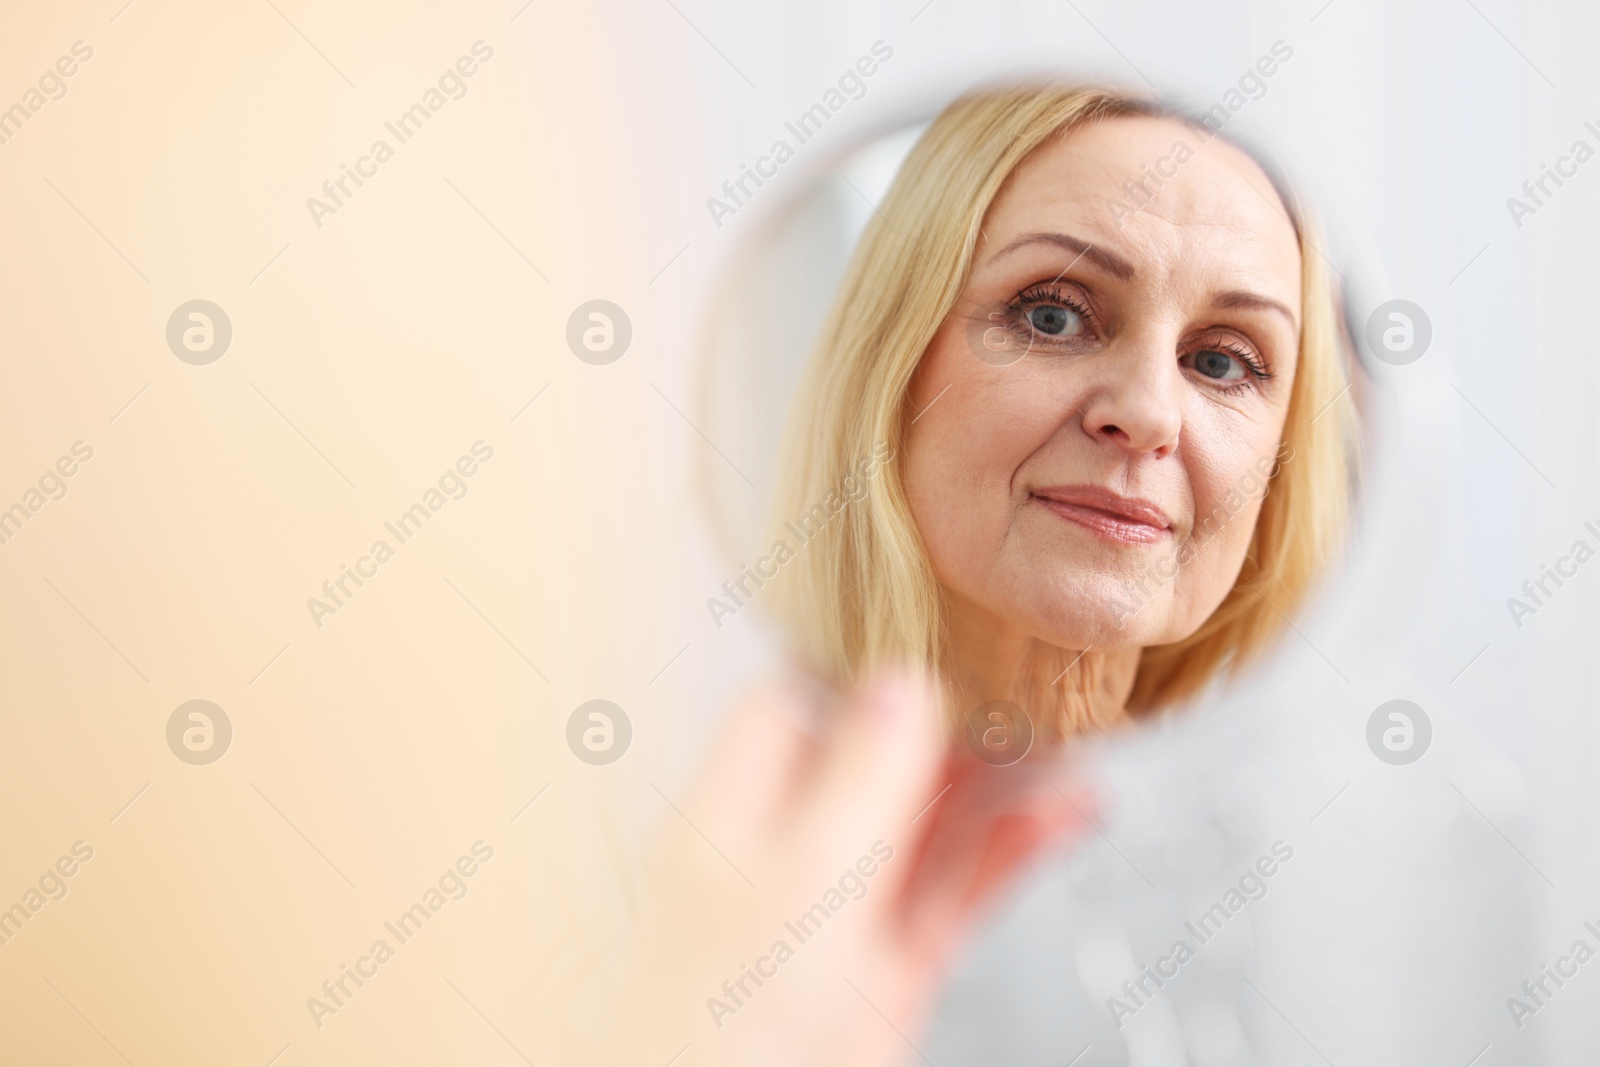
(1055, 321)
(1219, 366)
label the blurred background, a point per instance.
(501, 350)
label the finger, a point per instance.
(1015, 841)
(883, 750)
(753, 771)
(992, 828)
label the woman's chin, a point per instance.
(1100, 611)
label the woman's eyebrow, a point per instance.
(1241, 298)
(1110, 262)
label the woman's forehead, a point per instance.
(1155, 193)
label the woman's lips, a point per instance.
(1124, 520)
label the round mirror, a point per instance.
(1051, 388)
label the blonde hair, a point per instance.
(862, 594)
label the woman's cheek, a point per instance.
(959, 496)
(932, 488)
(958, 488)
(1224, 523)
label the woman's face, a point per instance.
(1097, 413)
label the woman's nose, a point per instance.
(1136, 402)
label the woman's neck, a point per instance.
(1064, 691)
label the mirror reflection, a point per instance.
(1068, 410)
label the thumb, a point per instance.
(882, 754)
(988, 830)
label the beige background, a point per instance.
(367, 355)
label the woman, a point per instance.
(1091, 331)
(1089, 366)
